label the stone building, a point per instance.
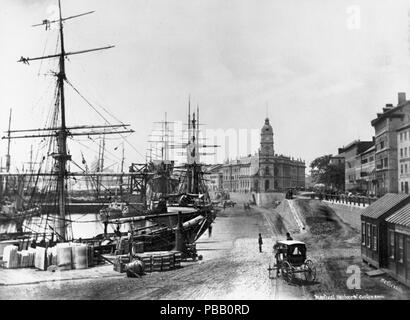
(264, 171)
(355, 156)
(403, 148)
(214, 179)
(367, 180)
(386, 125)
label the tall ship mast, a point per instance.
(60, 131)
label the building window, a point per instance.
(381, 144)
(401, 169)
(266, 185)
(368, 236)
(401, 136)
(402, 185)
(405, 152)
(385, 163)
(371, 159)
(374, 232)
(391, 244)
(400, 244)
(267, 171)
(401, 152)
(405, 168)
(406, 187)
(363, 234)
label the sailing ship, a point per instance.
(52, 203)
(172, 207)
(177, 204)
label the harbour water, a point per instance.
(82, 226)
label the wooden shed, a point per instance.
(398, 245)
(374, 227)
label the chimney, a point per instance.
(388, 107)
(402, 97)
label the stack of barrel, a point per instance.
(156, 263)
(177, 259)
(160, 260)
(147, 261)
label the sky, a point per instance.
(319, 69)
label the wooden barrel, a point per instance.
(134, 268)
(147, 260)
(177, 259)
(166, 261)
(156, 263)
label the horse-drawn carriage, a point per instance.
(290, 259)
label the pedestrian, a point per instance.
(260, 241)
(118, 232)
(210, 231)
(129, 239)
(105, 228)
(288, 237)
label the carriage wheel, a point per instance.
(273, 271)
(287, 272)
(310, 271)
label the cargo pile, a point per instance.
(64, 256)
(18, 259)
(161, 260)
(152, 261)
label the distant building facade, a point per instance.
(357, 165)
(367, 181)
(337, 160)
(403, 165)
(387, 161)
(264, 171)
(214, 179)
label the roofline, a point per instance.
(387, 113)
(406, 126)
(390, 211)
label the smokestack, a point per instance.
(402, 97)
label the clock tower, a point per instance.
(267, 139)
(266, 158)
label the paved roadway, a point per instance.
(232, 266)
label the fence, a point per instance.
(344, 199)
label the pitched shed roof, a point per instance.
(384, 204)
(401, 217)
